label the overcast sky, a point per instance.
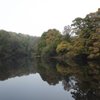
(36, 16)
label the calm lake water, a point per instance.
(29, 79)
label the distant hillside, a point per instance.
(16, 44)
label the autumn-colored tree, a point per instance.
(48, 42)
(63, 47)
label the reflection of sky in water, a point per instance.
(31, 87)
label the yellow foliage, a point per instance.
(63, 47)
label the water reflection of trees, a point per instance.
(48, 72)
(81, 80)
(86, 84)
(16, 67)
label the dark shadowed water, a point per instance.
(29, 79)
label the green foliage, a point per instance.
(79, 46)
(63, 47)
(48, 43)
(88, 39)
(94, 46)
(78, 24)
(13, 44)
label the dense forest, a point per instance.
(16, 45)
(81, 39)
(75, 53)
